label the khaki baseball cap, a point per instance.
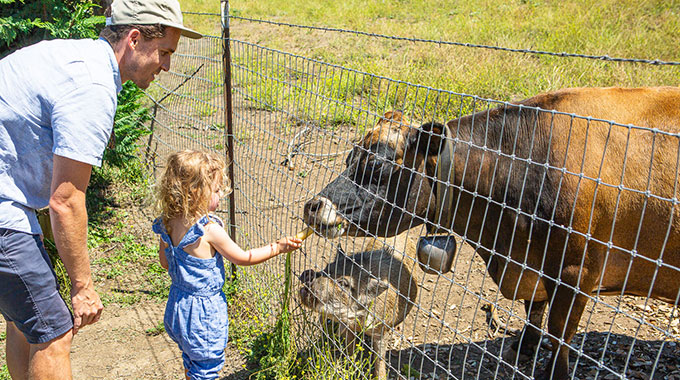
(146, 12)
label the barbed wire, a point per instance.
(465, 44)
(201, 13)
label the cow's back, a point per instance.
(619, 190)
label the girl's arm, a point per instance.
(161, 253)
(220, 240)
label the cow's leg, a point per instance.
(527, 342)
(564, 315)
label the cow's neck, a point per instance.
(443, 192)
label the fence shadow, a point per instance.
(594, 355)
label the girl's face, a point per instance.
(215, 197)
(214, 201)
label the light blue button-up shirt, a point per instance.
(56, 97)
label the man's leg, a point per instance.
(17, 349)
(36, 314)
(51, 360)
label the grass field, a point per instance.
(626, 29)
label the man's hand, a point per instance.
(87, 307)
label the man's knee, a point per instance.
(60, 345)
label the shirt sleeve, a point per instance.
(82, 122)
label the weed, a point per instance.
(4, 373)
(157, 330)
(120, 298)
(158, 280)
(327, 360)
(409, 371)
(273, 350)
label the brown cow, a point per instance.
(559, 206)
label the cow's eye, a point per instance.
(379, 170)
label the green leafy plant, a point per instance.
(4, 373)
(128, 127)
(25, 22)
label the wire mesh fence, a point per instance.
(553, 225)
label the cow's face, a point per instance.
(387, 185)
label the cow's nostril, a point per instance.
(307, 276)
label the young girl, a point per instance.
(196, 312)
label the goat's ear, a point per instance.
(427, 139)
(340, 253)
(376, 286)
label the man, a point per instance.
(57, 103)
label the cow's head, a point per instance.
(387, 186)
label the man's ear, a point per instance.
(427, 139)
(133, 37)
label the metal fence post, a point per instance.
(229, 130)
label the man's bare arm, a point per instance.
(69, 225)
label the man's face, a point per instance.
(149, 57)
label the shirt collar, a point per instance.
(114, 66)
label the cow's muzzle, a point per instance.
(322, 214)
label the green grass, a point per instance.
(128, 250)
(627, 28)
(251, 327)
(4, 372)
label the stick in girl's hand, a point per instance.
(304, 234)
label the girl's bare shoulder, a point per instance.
(214, 230)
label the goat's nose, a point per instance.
(307, 276)
(312, 206)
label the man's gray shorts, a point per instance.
(29, 294)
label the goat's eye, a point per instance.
(375, 165)
(343, 283)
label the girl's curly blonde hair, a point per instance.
(185, 189)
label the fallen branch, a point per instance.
(294, 149)
(495, 323)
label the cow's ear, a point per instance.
(428, 138)
(394, 115)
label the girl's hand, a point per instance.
(287, 244)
